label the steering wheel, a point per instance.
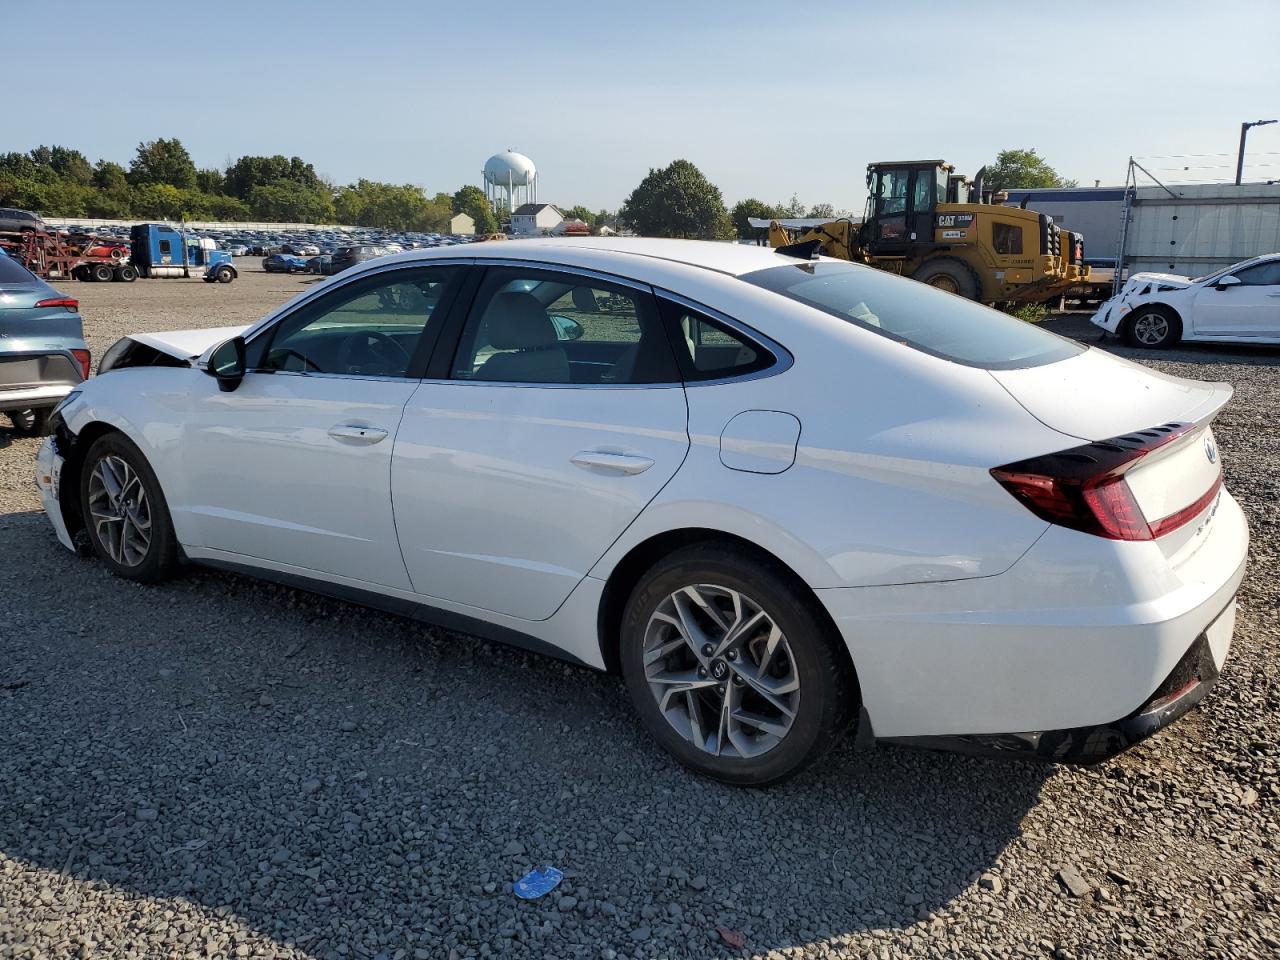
(365, 345)
(282, 352)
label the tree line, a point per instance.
(163, 182)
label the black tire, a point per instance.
(224, 275)
(827, 692)
(102, 272)
(30, 423)
(1153, 327)
(127, 273)
(160, 559)
(949, 275)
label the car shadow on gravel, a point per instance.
(337, 778)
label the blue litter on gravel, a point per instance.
(538, 883)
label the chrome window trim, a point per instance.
(783, 358)
(564, 268)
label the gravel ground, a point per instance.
(217, 767)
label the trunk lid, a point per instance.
(1098, 397)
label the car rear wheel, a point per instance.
(729, 667)
(30, 423)
(1152, 328)
(125, 513)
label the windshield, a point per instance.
(939, 324)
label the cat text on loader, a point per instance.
(921, 223)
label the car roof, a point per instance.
(734, 259)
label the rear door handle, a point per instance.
(357, 433)
(628, 464)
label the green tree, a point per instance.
(163, 162)
(751, 207)
(472, 201)
(792, 208)
(1019, 169)
(288, 202)
(209, 181)
(249, 172)
(579, 212)
(110, 176)
(677, 201)
(71, 165)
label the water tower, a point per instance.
(510, 179)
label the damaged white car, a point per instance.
(1240, 304)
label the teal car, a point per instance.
(43, 356)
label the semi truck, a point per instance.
(159, 250)
(156, 250)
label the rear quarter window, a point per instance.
(13, 272)
(915, 314)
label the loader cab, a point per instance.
(901, 201)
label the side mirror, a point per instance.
(566, 329)
(1226, 282)
(227, 364)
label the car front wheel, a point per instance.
(1152, 328)
(730, 667)
(125, 513)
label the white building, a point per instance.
(462, 224)
(536, 219)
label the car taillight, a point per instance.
(63, 303)
(82, 358)
(1084, 487)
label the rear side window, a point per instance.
(13, 272)
(708, 349)
(915, 314)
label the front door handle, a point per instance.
(357, 433)
(628, 464)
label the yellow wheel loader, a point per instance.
(925, 222)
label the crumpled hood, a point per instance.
(1096, 395)
(1138, 280)
(187, 344)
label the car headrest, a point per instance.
(584, 299)
(517, 321)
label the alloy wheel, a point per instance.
(1151, 329)
(721, 671)
(120, 510)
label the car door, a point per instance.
(532, 445)
(294, 466)
(1250, 308)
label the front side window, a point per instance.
(536, 326)
(370, 327)
(916, 314)
(1006, 238)
(1260, 274)
(920, 199)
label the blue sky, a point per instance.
(768, 98)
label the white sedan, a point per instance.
(1240, 304)
(777, 495)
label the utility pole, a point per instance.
(1244, 132)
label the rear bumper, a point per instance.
(41, 395)
(1189, 683)
(1077, 639)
